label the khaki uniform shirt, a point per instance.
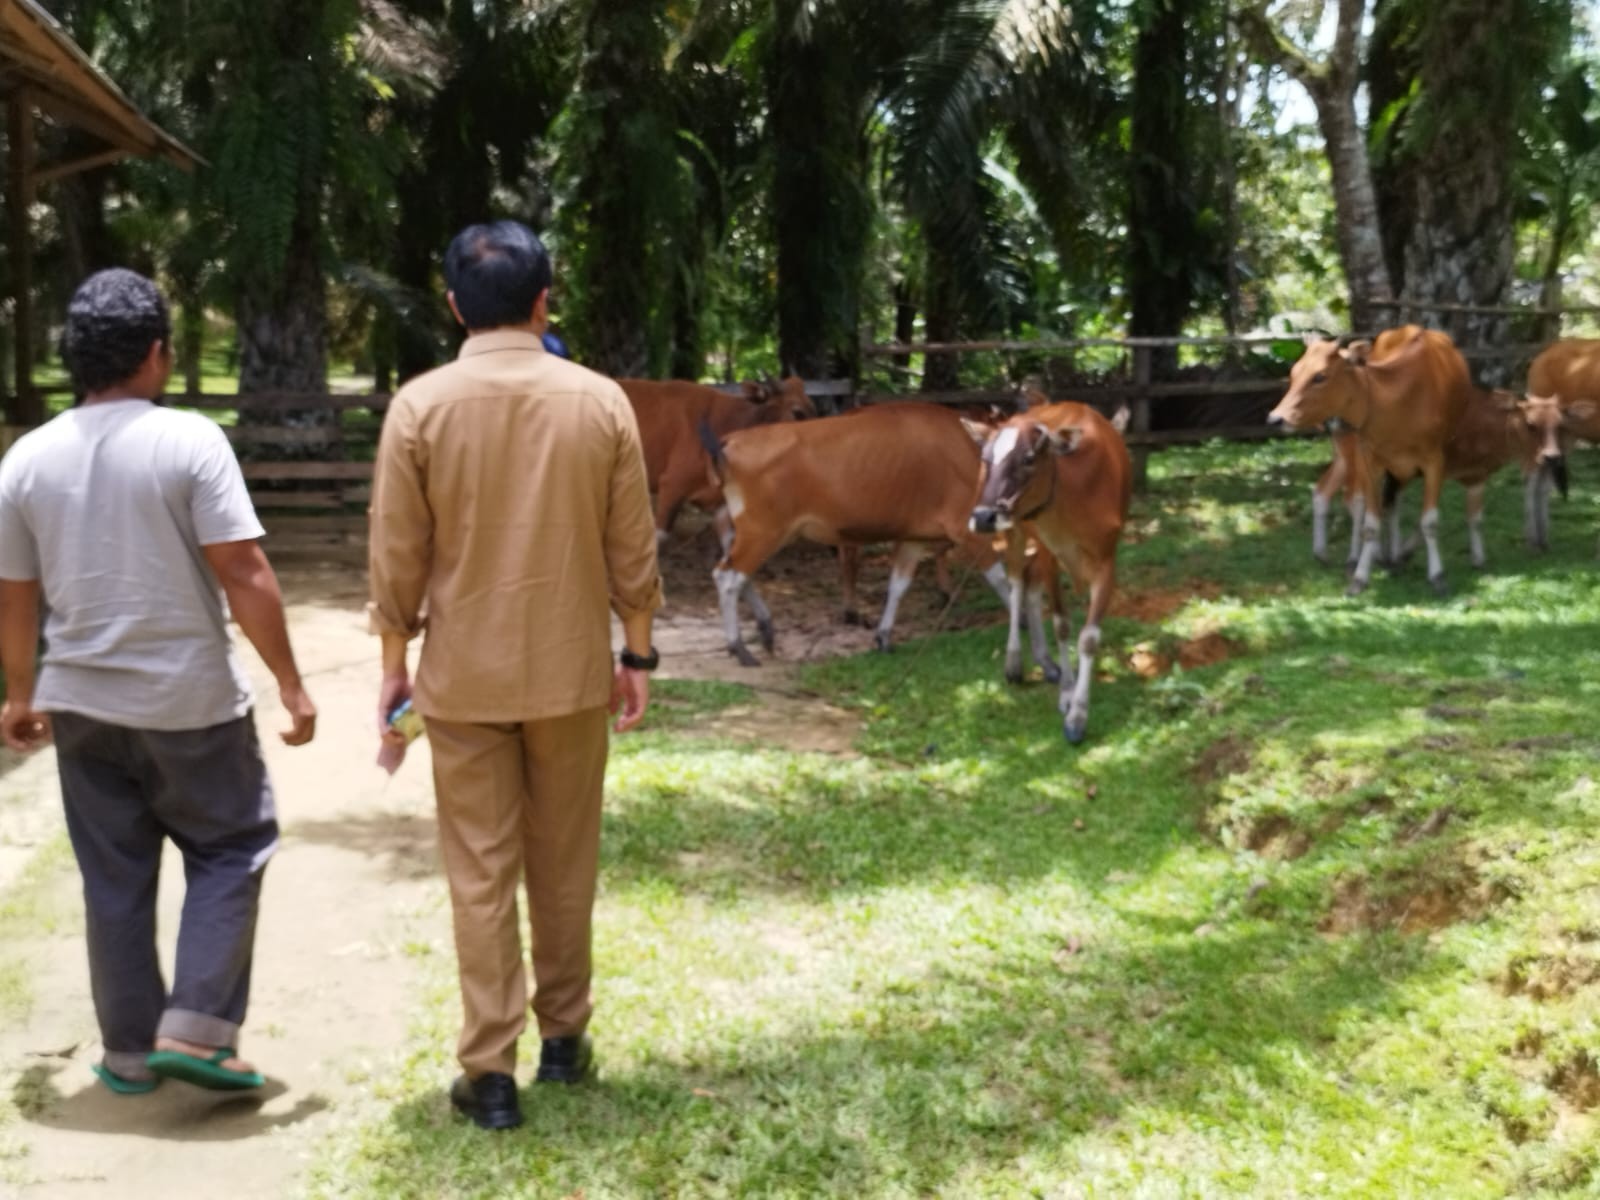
(510, 503)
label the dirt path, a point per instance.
(353, 884)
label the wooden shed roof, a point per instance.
(40, 61)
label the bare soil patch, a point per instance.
(1224, 757)
(1154, 605)
(1577, 1081)
(1409, 906)
(1546, 977)
(1277, 837)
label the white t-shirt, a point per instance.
(108, 506)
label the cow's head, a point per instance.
(1548, 422)
(785, 401)
(1018, 475)
(1323, 384)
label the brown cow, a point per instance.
(1403, 398)
(670, 413)
(900, 473)
(1062, 472)
(1569, 371)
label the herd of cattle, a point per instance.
(1019, 498)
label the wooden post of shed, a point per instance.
(1140, 422)
(25, 409)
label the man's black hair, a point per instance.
(112, 319)
(496, 272)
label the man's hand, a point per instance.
(24, 729)
(392, 693)
(302, 714)
(630, 692)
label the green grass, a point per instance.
(1319, 920)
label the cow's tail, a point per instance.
(714, 451)
(1120, 418)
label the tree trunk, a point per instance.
(905, 322)
(941, 372)
(1355, 207)
(191, 343)
(283, 328)
(628, 134)
(1161, 202)
(821, 205)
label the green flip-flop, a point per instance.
(121, 1086)
(204, 1072)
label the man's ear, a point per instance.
(450, 298)
(541, 308)
(977, 431)
(1064, 441)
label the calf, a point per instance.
(1569, 372)
(670, 414)
(900, 473)
(1061, 472)
(1403, 398)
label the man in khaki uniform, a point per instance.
(510, 503)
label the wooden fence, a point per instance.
(312, 482)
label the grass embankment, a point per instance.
(1322, 918)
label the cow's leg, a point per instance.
(1016, 569)
(1371, 532)
(849, 568)
(906, 557)
(1547, 484)
(675, 490)
(941, 578)
(1432, 485)
(1533, 509)
(1357, 507)
(722, 522)
(1063, 621)
(1075, 703)
(1475, 523)
(732, 577)
(1039, 593)
(1322, 494)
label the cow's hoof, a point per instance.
(1074, 728)
(742, 653)
(769, 638)
(1440, 585)
(1013, 670)
(1052, 672)
(1356, 587)
(882, 642)
(852, 617)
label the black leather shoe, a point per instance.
(490, 1100)
(566, 1060)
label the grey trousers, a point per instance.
(126, 790)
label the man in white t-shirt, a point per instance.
(126, 524)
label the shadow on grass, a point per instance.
(1009, 1060)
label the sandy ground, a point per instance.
(353, 884)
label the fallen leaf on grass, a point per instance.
(704, 1093)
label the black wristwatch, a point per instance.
(634, 663)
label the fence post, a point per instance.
(1140, 422)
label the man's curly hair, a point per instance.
(113, 318)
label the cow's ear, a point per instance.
(977, 431)
(1033, 398)
(1357, 353)
(753, 391)
(1581, 410)
(1064, 441)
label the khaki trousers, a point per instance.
(520, 802)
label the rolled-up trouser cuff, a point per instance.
(128, 1064)
(199, 1028)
